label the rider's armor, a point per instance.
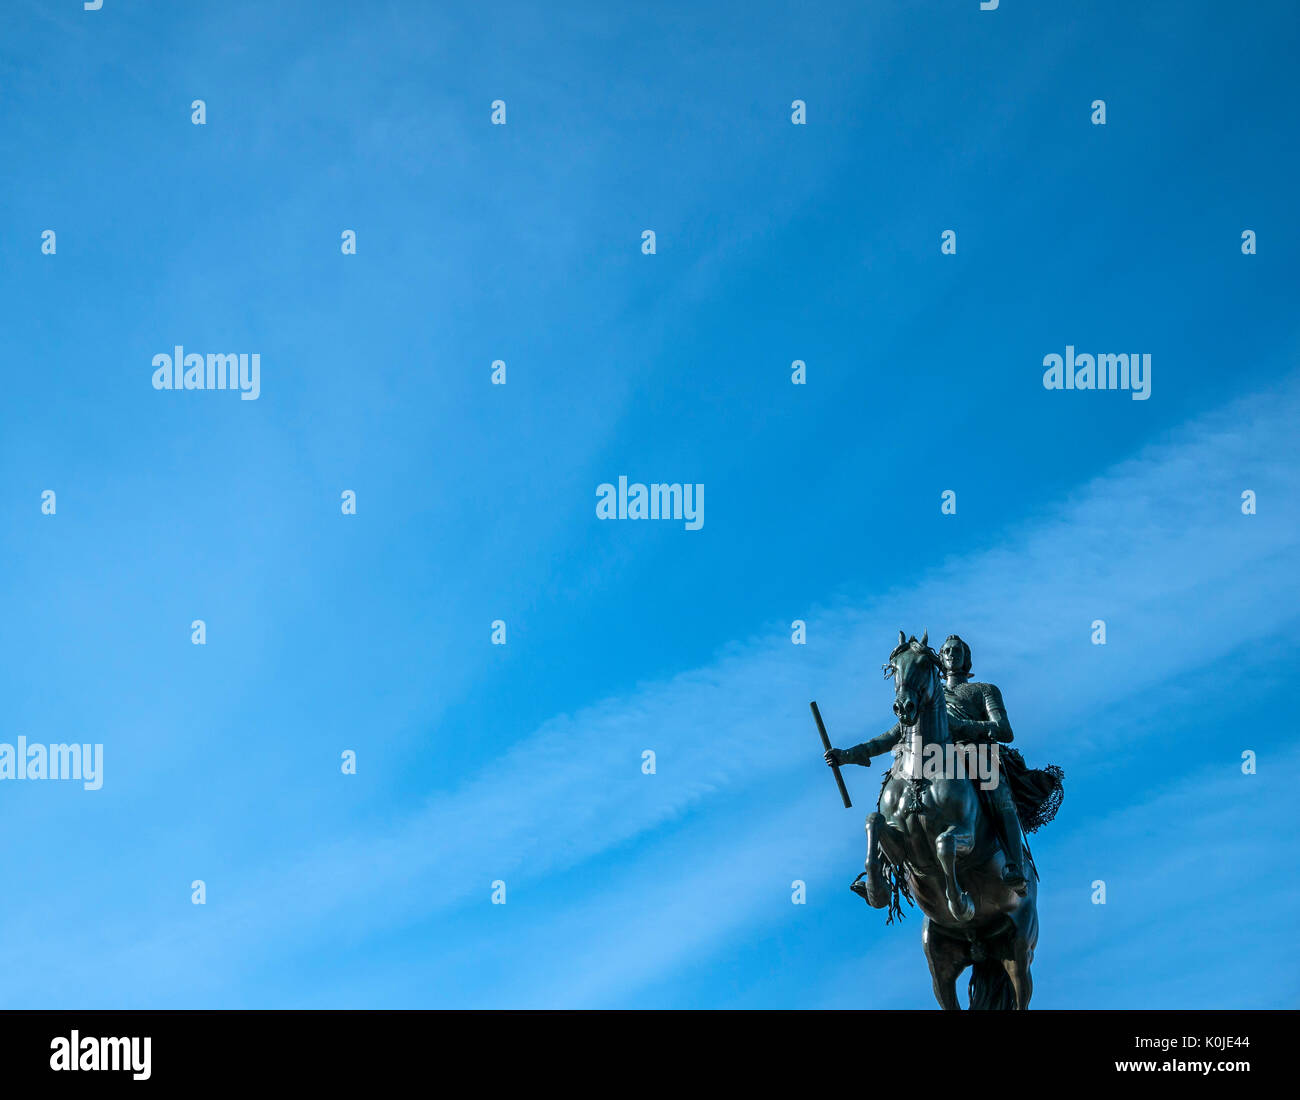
(976, 714)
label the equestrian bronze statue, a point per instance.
(948, 834)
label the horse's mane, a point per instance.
(915, 646)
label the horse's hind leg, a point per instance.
(1017, 967)
(945, 847)
(947, 958)
(1023, 942)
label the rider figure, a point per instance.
(975, 713)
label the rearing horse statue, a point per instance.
(932, 840)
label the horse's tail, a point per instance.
(990, 988)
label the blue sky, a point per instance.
(476, 502)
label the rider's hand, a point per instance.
(834, 756)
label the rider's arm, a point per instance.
(997, 728)
(862, 754)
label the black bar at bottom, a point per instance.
(618, 1049)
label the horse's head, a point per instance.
(914, 668)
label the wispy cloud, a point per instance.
(1140, 546)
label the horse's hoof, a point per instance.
(962, 911)
(865, 892)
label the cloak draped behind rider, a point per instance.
(1037, 791)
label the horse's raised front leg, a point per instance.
(881, 836)
(946, 845)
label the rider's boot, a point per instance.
(1013, 873)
